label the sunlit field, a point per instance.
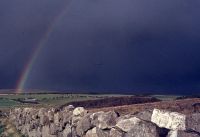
(8, 101)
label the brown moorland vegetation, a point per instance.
(185, 106)
(112, 101)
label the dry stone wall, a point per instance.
(78, 122)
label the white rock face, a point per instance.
(169, 120)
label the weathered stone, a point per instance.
(67, 132)
(27, 110)
(182, 134)
(68, 108)
(135, 127)
(50, 116)
(46, 132)
(104, 120)
(57, 118)
(79, 111)
(28, 119)
(169, 120)
(83, 125)
(115, 133)
(193, 122)
(145, 115)
(143, 129)
(54, 129)
(65, 123)
(196, 107)
(127, 124)
(42, 112)
(25, 129)
(34, 133)
(17, 111)
(96, 132)
(67, 118)
(44, 120)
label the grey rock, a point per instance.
(67, 118)
(46, 132)
(54, 129)
(115, 133)
(68, 108)
(97, 132)
(50, 115)
(135, 127)
(44, 120)
(42, 112)
(104, 120)
(193, 122)
(34, 133)
(83, 125)
(57, 118)
(145, 115)
(69, 131)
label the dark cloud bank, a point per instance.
(103, 45)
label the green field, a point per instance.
(8, 101)
(47, 100)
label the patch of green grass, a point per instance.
(4, 102)
(46, 100)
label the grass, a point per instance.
(46, 100)
(50, 100)
(6, 103)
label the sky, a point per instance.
(135, 46)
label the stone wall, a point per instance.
(78, 122)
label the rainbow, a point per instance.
(41, 44)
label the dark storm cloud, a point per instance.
(131, 45)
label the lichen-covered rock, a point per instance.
(68, 108)
(79, 111)
(27, 110)
(83, 125)
(57, 118)
(193, 122)
(42, 112)
(115, 133)
(96, 132)
(169, 120)
(44, 120)
(104, 120)
(127, 124)
(179, 133)
(53, 129)
(67, 118)
(50, 115)
(69, 131)
(145, 115)
(70, 122)
(46, 132)
(34, 133)
(135, 127)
